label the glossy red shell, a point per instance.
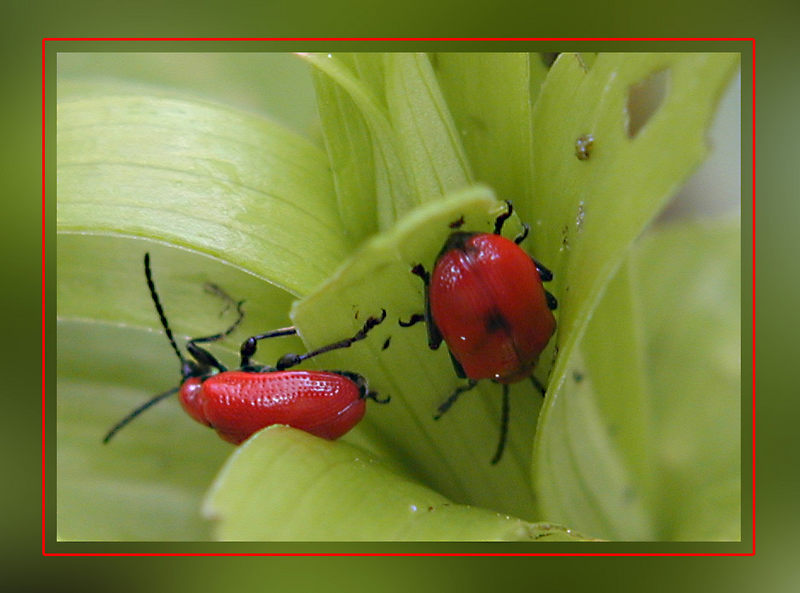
(237, 403)
(488, 303)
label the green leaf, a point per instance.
(642, 439)
(451, 455)
(490, 97)
(236, 79)
(349, 146)
(200, 176)
(349, 141)
(417, 153)
(456, 469)
(336, 492)
(147, 483)
(134, 173)
(593, 209)
(430, 145)
(394, 190)
(602, 204)
(691, 306)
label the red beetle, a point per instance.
(241, 402)
(485, 299)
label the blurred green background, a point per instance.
(772, 23)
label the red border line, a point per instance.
(400, 39)
(44, 228)
(754, 296)
(413, 554)
(44, 113)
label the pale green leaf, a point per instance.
(431, 146)
(452, 455)
(349, 147)
(349, 143)
(200, 176)
(585, 213)
(337, 492)
(233, 78)
(489, 95)
(642, 440)
(147, 483)
(136, 169)
(394, 191)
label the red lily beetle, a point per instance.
(240, 402)
(485, 299)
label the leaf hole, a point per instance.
(644, 99)
(548, 57)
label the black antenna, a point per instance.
(152, 401)
(160, 310)
(204, 359)
(185, 364)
